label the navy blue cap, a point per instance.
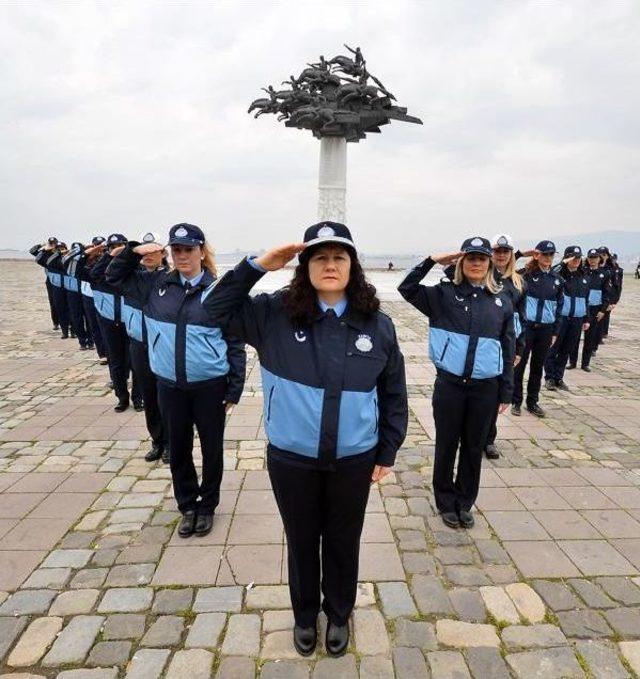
(116, 239)
(477, 244)
(324, 233)
(593, 252)
(547, 247)
(572, 251)
(77, 245)
(186, 234)
(603, 250)
(97, 240)
(52, 240)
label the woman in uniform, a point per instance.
(71, 282)
(598, 302)
(574, 318)
(335, 410)
(52, 305)
(48, 255)
(200, 370)
(542, 314)
(471, 343)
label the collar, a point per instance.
(204, 279)
(194, 281)
(339, 308)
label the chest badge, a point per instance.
(300, 336)
(162, 292)
(498, 301)
(364, 343)
(556, 282)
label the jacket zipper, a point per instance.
(446, 346)
(210, 345)
(155, 341)
(269, 403)
(375, 411)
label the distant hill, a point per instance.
(625, 243)
(14, 254)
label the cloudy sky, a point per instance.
(127, 116)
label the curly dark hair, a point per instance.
(300, 298)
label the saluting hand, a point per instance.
(117, 250)
(379, 472)
(599, 315)
(148, 248)
(528, 253)
(585, 326)
(446, 258)
(277, 258)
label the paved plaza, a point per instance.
(95, 583)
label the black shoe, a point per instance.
(571, 366)
(90, 346)
(187, 524)
(166, 455)
(562, 385)
(491, 452)
(138, 405)
(154, 454)
(204, 524)
(450, 519)
(305, 639)
(83, 347)
(103, 360)
(515, 410)
(536, 410)
(73, 334)
(109, 385)
(337, 639)
(56, 328)
(65, 335)
(466, 519)
(550, 385)
(121, 405)
(586, 368)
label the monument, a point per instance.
(340, 102)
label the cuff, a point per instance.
(258, 267)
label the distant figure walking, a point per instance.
(390, 266)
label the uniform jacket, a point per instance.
(471, 334)
(543, 298)
(600, 290)
(107, 301)
(50, 261)
(575, 291)
(186, 349)
(332, 390)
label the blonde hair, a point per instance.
(209, 260)
(489, 282)
(510, 272)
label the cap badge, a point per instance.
(326, 232)
(113, 238)
(556, 282)
(300, 336)
(498, 301)
(476, 241)
(148, 238)
(181, 232)
(364, 343)
(576, 249)
(549, 244)
(502, 241)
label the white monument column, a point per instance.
(332, 182)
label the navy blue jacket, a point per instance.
(186, 349)
(50, 261)
(600, 290)
(575, 290)
(332, 390)
(471, 333)
(543, 298)
(107, 301)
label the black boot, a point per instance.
(466, 519)
(450, 519)
(204, 524)
(155, 453)
(138, 405)
(491, 452)
(305, 639)
(187, 524)
(122, 404)
(536, 410)
(337, 639)
(166, 455)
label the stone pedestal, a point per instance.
(332, 182)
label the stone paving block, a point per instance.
(396, 599)
(71, 558)
(15, 567)
(47, 578)
(557, 595)
(330, 668)
(10, 629)
(109, 653)
(447, 665)
(430, 595)
(242, 636)
(529, 604)
(499, 604)
(417, 634)
(235, 668)
(591, 593)
(596, 557)
(172, 600)
(98, 673)
(195, 664)
(165, 631)
(487, 663)
(458, 634)
(409, 663)
(286, 669)
(126, 600)
(376, 667)
(276, 621)
(214, 599)
(631, 653)
(89, 578)
(28, 602)
(268, 596)
(35, 641)
(468, 604)
(188, 565)
(74, 602)
(552, 663)
(541, 559)
(147, 663)
(139, 554)
(365, 595)
(621, 589)
(370, 632)
(602, 660)
(206, 630)
(130, 575)
(624, 621)
(583, 624)
(74, 642)
(279, 646)
(532, 636)
(124, 626)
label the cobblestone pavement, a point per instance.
(95, 583)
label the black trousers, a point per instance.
(493, 428)
(117, 342)
(76, 316)
(148, 386)
(60, 303)
(52, 304)
(591, 337)
(536, 345)
(322, 508)
(567, 340)
(182, 409)
(604, 332)
(462, 415)
(94, 332)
